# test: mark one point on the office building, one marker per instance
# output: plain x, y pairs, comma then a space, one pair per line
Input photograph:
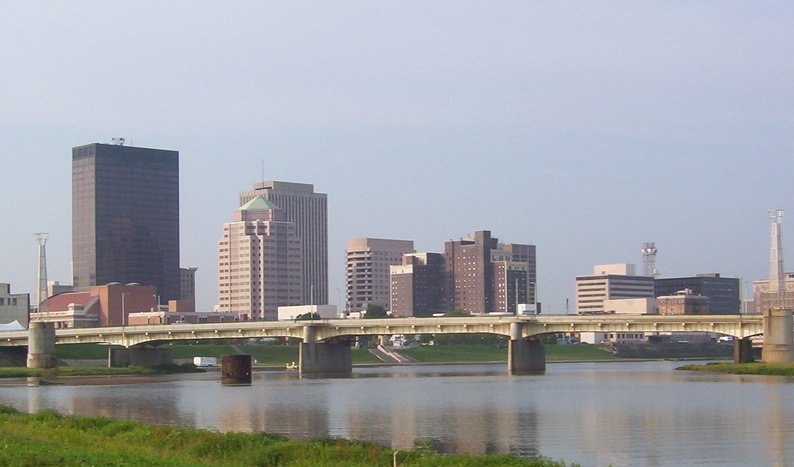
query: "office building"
485, 276
187, 284
368, 262
14, 307
259, 262
418, 285
309, 212
765, 300
610, 282
683, 302
723, 292
125, 217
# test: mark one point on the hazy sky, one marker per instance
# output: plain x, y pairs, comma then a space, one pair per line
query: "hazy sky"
586, 128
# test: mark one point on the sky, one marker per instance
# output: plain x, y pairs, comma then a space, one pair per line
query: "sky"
585, 128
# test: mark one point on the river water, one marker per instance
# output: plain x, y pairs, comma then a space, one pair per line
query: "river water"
595, 414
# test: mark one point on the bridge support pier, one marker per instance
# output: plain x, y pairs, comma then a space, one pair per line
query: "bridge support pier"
139, 356
743, 350
324, 358
41, 345
778, 337
524, 355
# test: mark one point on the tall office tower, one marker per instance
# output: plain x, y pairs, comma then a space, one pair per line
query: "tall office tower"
187, 284
723, 292
486, 276
259, 262
610, 282
418, 285
309, 211
368, 261
125, 217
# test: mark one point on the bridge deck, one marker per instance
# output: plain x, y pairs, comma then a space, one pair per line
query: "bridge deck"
739, 326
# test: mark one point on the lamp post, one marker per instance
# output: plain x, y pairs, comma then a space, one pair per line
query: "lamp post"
123, 318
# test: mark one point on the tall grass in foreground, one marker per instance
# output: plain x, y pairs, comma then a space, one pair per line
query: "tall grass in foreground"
48, 438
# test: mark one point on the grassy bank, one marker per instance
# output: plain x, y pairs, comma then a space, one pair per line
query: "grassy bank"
278, 355
492, 353
267, 355
47, 438
755, 368
21, 372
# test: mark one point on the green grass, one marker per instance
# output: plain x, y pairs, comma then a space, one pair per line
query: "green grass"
579, 352
492, 353
82, 351
456, 353
756, 368
267, 355
48, 438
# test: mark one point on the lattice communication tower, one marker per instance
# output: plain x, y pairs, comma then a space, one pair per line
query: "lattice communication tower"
649, 259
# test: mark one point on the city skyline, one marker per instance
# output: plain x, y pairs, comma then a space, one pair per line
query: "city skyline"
585, 130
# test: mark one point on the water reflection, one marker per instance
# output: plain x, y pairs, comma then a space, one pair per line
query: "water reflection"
593, 414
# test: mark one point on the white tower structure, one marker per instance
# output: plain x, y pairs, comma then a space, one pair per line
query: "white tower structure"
649, 259
41, 275
777, 284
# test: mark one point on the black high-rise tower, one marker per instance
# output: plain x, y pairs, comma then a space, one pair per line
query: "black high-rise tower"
125, 217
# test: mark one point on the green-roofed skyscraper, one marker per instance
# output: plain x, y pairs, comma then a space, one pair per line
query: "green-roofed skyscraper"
259, 262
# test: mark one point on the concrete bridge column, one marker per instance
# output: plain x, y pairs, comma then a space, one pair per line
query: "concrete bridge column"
41, 345
778, 337
743, 350
524, 355
324, 358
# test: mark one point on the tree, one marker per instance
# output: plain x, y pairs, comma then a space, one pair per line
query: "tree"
308, 316
456, 314
375, 312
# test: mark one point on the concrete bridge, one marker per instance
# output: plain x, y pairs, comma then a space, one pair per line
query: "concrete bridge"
326, 344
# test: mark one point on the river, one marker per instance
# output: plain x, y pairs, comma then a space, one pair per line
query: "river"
595, 414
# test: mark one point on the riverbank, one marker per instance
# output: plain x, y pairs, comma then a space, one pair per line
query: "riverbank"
21, 372
754, 368
48, 438
278, 355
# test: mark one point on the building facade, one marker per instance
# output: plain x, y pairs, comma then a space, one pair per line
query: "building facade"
259, 262
125, 217
14, 307
418, 285
102, 305
764, 300
609, 282
368, 263
485, 276
683, 302
309, 212
187, 284
723, 292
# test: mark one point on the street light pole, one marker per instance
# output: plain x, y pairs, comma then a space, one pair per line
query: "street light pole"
123, 294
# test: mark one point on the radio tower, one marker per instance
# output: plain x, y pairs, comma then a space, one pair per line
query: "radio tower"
777, 285
649, 259
41, 276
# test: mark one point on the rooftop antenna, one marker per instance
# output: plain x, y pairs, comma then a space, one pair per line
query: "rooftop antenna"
649, 259
41, 275
118, 141
777, 285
